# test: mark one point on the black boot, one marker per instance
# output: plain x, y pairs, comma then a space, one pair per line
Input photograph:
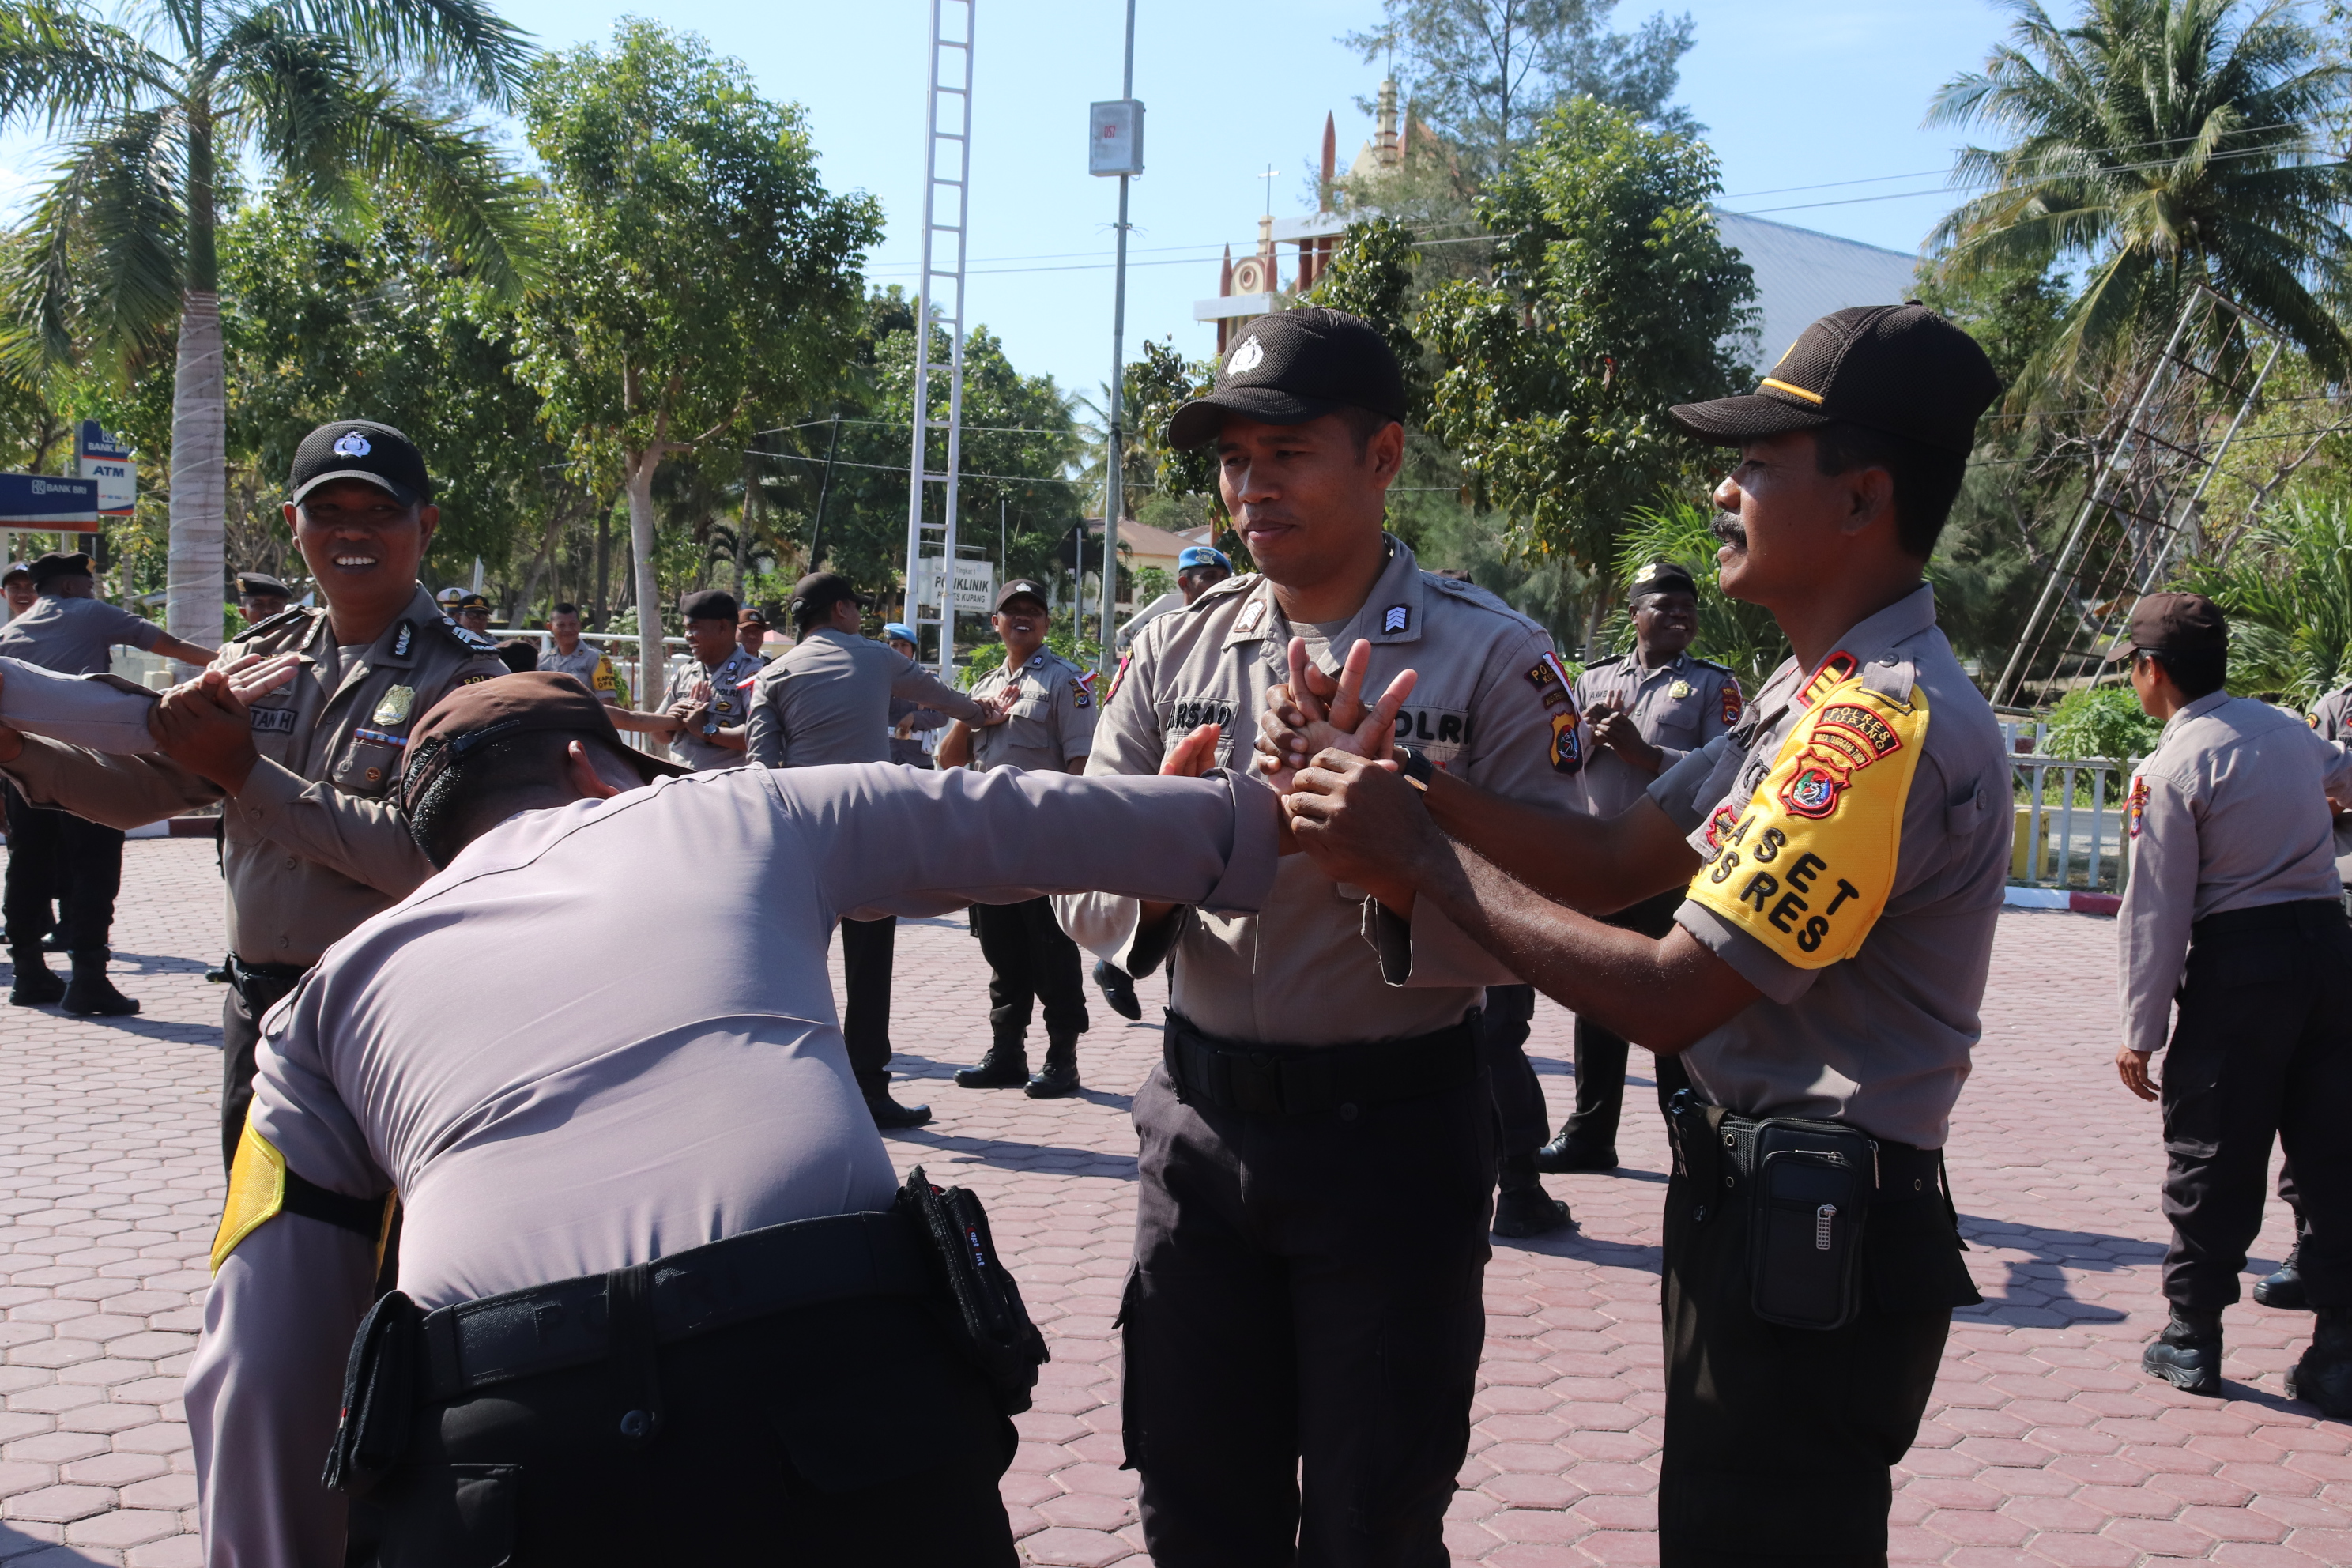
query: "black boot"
2324, 1376
1059, 1076
1522, 1207
90, 994
2284, 1290
2188, 1354
35, 986
1569, 1153
1006, 1066
889, 1113
1117, 987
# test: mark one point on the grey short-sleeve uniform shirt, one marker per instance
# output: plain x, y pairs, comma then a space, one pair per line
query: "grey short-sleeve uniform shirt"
74, 635
1323, 963
1052, 723
730, 705
1881, 1038
1677, 707
828, 698
579, 664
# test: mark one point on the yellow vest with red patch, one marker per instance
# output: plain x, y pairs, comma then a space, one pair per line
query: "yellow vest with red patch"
1809, 866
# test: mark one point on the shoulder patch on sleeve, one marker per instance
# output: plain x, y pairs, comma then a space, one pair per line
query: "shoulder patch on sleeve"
256, 1192
1734, 704
293, 614
471, 641
1809, 865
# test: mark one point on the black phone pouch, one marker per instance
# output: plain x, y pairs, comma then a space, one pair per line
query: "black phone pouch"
1810, 1185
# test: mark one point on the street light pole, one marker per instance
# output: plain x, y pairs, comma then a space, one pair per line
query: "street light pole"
1114, 497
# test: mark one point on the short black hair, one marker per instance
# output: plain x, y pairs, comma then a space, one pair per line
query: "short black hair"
564, 610
519, 654
1926, 479
2196, 671
477, 792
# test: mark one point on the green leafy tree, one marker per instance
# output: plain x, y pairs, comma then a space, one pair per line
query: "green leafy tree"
155, 116
2287, 590
1614, 297
1484, 73
2100, 722
700, 272
2158, 143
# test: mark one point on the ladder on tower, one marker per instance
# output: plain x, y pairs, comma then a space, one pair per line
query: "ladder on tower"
937, 461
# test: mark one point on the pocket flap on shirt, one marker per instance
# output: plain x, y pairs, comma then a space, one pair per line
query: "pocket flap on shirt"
1962, 820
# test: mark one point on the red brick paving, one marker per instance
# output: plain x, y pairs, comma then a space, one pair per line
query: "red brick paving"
2043, 1446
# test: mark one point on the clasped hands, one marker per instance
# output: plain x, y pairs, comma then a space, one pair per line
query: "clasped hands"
206, 724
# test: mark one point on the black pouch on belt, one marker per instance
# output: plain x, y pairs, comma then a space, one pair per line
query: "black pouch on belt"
1809, 1186
379, 1384
989, 1323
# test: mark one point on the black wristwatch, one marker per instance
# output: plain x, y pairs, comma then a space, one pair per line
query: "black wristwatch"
1417, 769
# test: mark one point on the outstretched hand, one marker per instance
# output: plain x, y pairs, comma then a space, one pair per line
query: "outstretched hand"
206, 724
1362, 823
1314, 712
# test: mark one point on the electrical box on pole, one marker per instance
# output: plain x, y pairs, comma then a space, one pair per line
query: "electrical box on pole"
1116, 138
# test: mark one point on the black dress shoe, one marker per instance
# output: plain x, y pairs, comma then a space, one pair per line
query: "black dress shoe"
2188, 1354
2284, 1290
889, 1113
1117, 988
1564, 1154
1528, 1210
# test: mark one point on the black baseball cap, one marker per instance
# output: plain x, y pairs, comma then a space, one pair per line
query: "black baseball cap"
1662, 577
708, 605
60, 564
1293, 366
365, 450
1022, 588
523, 701
820, 591
1901, 369
2174, 623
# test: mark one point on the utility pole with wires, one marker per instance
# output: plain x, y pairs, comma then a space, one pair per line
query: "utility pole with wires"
1115, 147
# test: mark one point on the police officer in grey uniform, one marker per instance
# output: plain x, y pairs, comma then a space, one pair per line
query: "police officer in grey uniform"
826, 699
711, 694
1642, 713
16, 588
785, 1385
2233, 912
54, 854
1846, 849
1303, 1322
312, 846
1048, 705
261, 595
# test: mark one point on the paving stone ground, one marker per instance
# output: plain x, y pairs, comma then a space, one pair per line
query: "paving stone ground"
2043, 1444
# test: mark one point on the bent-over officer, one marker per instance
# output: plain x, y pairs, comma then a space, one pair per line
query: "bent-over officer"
707, 694
1303, 1322
1643, 712
2233, 912
654, 1303
1846, 849
56, 853
828, 700
312, 845
1049, 710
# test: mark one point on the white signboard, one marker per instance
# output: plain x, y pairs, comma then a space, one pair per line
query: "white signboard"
106, 459
975, 584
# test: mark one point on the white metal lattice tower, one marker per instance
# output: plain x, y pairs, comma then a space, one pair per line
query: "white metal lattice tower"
939, 303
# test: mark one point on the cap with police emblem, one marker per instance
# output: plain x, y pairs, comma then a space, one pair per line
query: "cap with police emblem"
1293, 366
16, 569
364, 450
1900, 370
1193, 555
900, 631
474, 602
1660, 577
1020, 588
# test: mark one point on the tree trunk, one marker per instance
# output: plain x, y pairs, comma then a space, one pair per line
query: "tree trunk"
197, 564
653, 675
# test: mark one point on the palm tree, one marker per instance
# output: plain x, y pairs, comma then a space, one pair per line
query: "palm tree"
120, 249
2161, 143
2287, 590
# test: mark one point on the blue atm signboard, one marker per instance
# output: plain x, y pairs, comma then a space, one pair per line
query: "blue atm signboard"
44, 501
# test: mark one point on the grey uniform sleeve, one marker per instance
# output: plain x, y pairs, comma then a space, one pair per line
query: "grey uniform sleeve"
894, 840
764, 732
1511, 755
265, 1387
125, 628
1075, 715
2160, 901
99, 712
916, 684
114, 791
1127, 739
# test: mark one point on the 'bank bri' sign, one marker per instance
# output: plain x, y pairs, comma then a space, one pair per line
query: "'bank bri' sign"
42, 501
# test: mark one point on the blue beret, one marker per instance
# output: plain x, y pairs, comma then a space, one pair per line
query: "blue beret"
900, 630
1202, 555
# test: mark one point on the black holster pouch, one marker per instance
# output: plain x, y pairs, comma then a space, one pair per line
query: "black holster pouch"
1810, 1185
988, 1322
379, 1384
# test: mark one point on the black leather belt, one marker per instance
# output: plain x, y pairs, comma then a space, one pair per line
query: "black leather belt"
263, 985
1898, 1171
2296, 914
547, 1328
1311, 1080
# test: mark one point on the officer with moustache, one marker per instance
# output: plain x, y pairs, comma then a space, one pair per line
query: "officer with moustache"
1304, 1319
312, 846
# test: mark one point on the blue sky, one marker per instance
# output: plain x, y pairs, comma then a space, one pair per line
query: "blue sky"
1794, 92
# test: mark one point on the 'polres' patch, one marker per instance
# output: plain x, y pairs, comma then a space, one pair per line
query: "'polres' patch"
1809, 865
2135, 806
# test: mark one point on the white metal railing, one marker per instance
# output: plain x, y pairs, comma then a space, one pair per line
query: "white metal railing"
2071, 829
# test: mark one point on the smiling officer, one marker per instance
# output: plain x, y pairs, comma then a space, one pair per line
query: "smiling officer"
312, 844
